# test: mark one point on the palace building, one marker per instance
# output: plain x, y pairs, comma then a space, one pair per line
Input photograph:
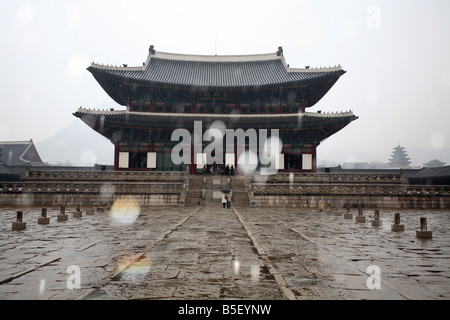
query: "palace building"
172, 91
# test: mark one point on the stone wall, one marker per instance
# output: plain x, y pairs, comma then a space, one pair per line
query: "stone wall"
345, 190
59, 188
353, 201
69, 188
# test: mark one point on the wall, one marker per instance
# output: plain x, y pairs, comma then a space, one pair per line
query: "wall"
58, 188
346, 190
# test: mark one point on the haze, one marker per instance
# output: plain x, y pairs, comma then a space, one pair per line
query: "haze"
396, 54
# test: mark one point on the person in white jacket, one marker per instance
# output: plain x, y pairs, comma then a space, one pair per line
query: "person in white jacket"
224, 200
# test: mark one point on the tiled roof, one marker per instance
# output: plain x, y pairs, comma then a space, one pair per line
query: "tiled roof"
103, 121
216, 71
15, 153
443, 171
434, 163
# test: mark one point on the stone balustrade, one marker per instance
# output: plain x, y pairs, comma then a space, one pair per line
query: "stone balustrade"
332, 178
373, 190
366, 188
70, 175
47, 187
31, 187
378, 190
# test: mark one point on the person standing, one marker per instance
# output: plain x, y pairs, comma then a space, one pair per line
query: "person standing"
229, 201
224, 200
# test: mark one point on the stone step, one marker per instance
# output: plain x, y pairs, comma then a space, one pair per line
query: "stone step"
240, 198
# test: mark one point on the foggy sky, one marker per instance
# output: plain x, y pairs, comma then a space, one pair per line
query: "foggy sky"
396, 54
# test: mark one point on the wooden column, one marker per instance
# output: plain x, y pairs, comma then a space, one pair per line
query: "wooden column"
314, 158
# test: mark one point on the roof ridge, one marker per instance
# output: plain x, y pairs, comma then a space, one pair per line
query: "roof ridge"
17, 142
216, 58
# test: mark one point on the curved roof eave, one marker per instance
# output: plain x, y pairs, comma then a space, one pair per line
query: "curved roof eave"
294, 83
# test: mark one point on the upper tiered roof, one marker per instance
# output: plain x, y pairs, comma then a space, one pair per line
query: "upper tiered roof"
232, 72
216, 71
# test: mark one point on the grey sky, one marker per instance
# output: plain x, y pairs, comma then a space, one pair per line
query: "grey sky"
396, 54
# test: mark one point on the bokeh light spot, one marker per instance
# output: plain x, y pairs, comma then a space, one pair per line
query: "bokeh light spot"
125, 210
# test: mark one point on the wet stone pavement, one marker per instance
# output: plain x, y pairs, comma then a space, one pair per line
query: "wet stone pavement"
209, 252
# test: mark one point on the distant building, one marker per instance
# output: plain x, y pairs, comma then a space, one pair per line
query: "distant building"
434, 163
19, 153
431, 176
356, 165
399, 158
15, 156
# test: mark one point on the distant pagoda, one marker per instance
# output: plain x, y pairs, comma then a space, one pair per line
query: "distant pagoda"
399, 158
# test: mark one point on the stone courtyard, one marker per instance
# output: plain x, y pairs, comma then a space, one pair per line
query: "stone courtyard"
211, 253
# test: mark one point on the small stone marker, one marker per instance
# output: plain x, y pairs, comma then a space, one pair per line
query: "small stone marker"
19, 224
43, 219
77, 214
90, 212
360, 217
348, 215
423, 232
63, 216
376, 222
397, 226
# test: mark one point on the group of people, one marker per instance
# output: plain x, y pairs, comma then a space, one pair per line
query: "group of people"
214, 168
226, 200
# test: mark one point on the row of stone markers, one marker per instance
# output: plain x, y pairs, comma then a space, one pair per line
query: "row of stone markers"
19, 224
376, 222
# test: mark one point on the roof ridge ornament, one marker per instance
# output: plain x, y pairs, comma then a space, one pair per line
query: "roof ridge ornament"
280, 51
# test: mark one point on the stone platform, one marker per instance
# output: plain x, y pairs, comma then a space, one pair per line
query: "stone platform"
311, 190
206, 252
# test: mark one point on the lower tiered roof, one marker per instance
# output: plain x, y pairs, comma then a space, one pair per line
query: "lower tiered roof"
105, 122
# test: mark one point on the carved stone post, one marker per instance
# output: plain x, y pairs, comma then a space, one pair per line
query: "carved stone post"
397, 226
376, 222
19, 224
347, 214
62, 216
43, 219
360, 217
423, 232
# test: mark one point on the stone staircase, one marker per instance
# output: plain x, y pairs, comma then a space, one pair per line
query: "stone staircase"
194, 195
207, 190
240, 194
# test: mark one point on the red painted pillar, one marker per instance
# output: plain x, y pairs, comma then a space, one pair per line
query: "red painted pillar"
314, 158
116, 157
192, 166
